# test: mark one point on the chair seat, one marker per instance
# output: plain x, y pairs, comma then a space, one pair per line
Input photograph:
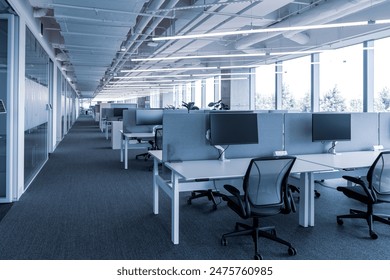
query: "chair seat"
359, 194
234, 204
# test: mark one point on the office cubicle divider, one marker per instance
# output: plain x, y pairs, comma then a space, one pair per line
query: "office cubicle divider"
270, 129
129, 123
297, 127
297, 135
185, 137
364, 133
384, 128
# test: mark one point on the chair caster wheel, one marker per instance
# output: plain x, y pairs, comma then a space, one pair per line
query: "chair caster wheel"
258, 257
317, 194
292, 251
373, 235
223, 241
215, 207
340, 221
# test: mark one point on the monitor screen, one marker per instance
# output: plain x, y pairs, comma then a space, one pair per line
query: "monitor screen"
233, 129
118, 112
331, 127
149, 116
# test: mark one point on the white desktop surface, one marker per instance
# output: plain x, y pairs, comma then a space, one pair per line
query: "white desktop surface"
125, 143
343, 160
190, 175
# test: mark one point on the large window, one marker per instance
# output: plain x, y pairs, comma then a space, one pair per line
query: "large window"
341, 79
381, 76
198, 93
265, 87
296, 84
209, 83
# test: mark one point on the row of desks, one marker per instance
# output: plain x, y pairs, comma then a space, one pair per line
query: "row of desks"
196, 175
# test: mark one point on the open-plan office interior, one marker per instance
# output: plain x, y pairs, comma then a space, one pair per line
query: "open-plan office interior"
122, 122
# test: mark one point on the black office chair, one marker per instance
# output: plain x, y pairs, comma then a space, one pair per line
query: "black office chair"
158, 138
155, 144
374, 190
266, 193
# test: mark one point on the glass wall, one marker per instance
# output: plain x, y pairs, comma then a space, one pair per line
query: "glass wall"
209, 83
296, 84
341, 79
381, 76
3, 97
198, 93
36, 113
265, 87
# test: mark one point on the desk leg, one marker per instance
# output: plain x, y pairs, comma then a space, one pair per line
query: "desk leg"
155, 186
175, 208
125, 151
122, 144
306, 199
107, 131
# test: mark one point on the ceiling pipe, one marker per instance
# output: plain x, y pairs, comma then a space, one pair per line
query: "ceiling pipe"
326, 12
129, 44
40, 12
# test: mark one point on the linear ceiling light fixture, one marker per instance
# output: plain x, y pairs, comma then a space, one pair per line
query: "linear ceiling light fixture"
273, 29
169, 69
199, 56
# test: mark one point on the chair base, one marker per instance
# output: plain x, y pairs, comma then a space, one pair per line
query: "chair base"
145, 156
256, 231
368, 216
293, 188
210, 194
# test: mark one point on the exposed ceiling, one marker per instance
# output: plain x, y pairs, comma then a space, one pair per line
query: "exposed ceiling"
97, 39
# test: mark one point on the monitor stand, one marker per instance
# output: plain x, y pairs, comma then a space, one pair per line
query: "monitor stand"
222, 152
332, 149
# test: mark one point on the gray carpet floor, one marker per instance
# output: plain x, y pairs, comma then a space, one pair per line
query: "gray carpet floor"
84, 205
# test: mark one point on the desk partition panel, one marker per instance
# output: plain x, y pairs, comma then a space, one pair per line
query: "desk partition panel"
297, 135
364, 133
384, 129
129, 122
270, 129
184, 137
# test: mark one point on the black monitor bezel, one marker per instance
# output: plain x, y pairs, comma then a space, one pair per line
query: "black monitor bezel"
140, 121
254, 126
339, 117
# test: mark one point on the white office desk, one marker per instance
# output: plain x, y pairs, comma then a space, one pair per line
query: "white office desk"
344, 160
193, 175
126, 137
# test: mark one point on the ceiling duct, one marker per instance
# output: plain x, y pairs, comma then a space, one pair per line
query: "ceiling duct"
328, 11
40, 12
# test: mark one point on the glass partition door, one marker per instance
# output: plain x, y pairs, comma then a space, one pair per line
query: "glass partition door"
5, 87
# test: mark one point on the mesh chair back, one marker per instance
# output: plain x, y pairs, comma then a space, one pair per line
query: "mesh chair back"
379, 174
158, 138
265, 181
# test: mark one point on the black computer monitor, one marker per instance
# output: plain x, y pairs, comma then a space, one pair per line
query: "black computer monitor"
233, 129
331, 127
118, 112
149, 117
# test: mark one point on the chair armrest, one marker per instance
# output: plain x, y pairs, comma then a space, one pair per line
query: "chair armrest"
354, 180
233, 190
361, 183
238, 198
